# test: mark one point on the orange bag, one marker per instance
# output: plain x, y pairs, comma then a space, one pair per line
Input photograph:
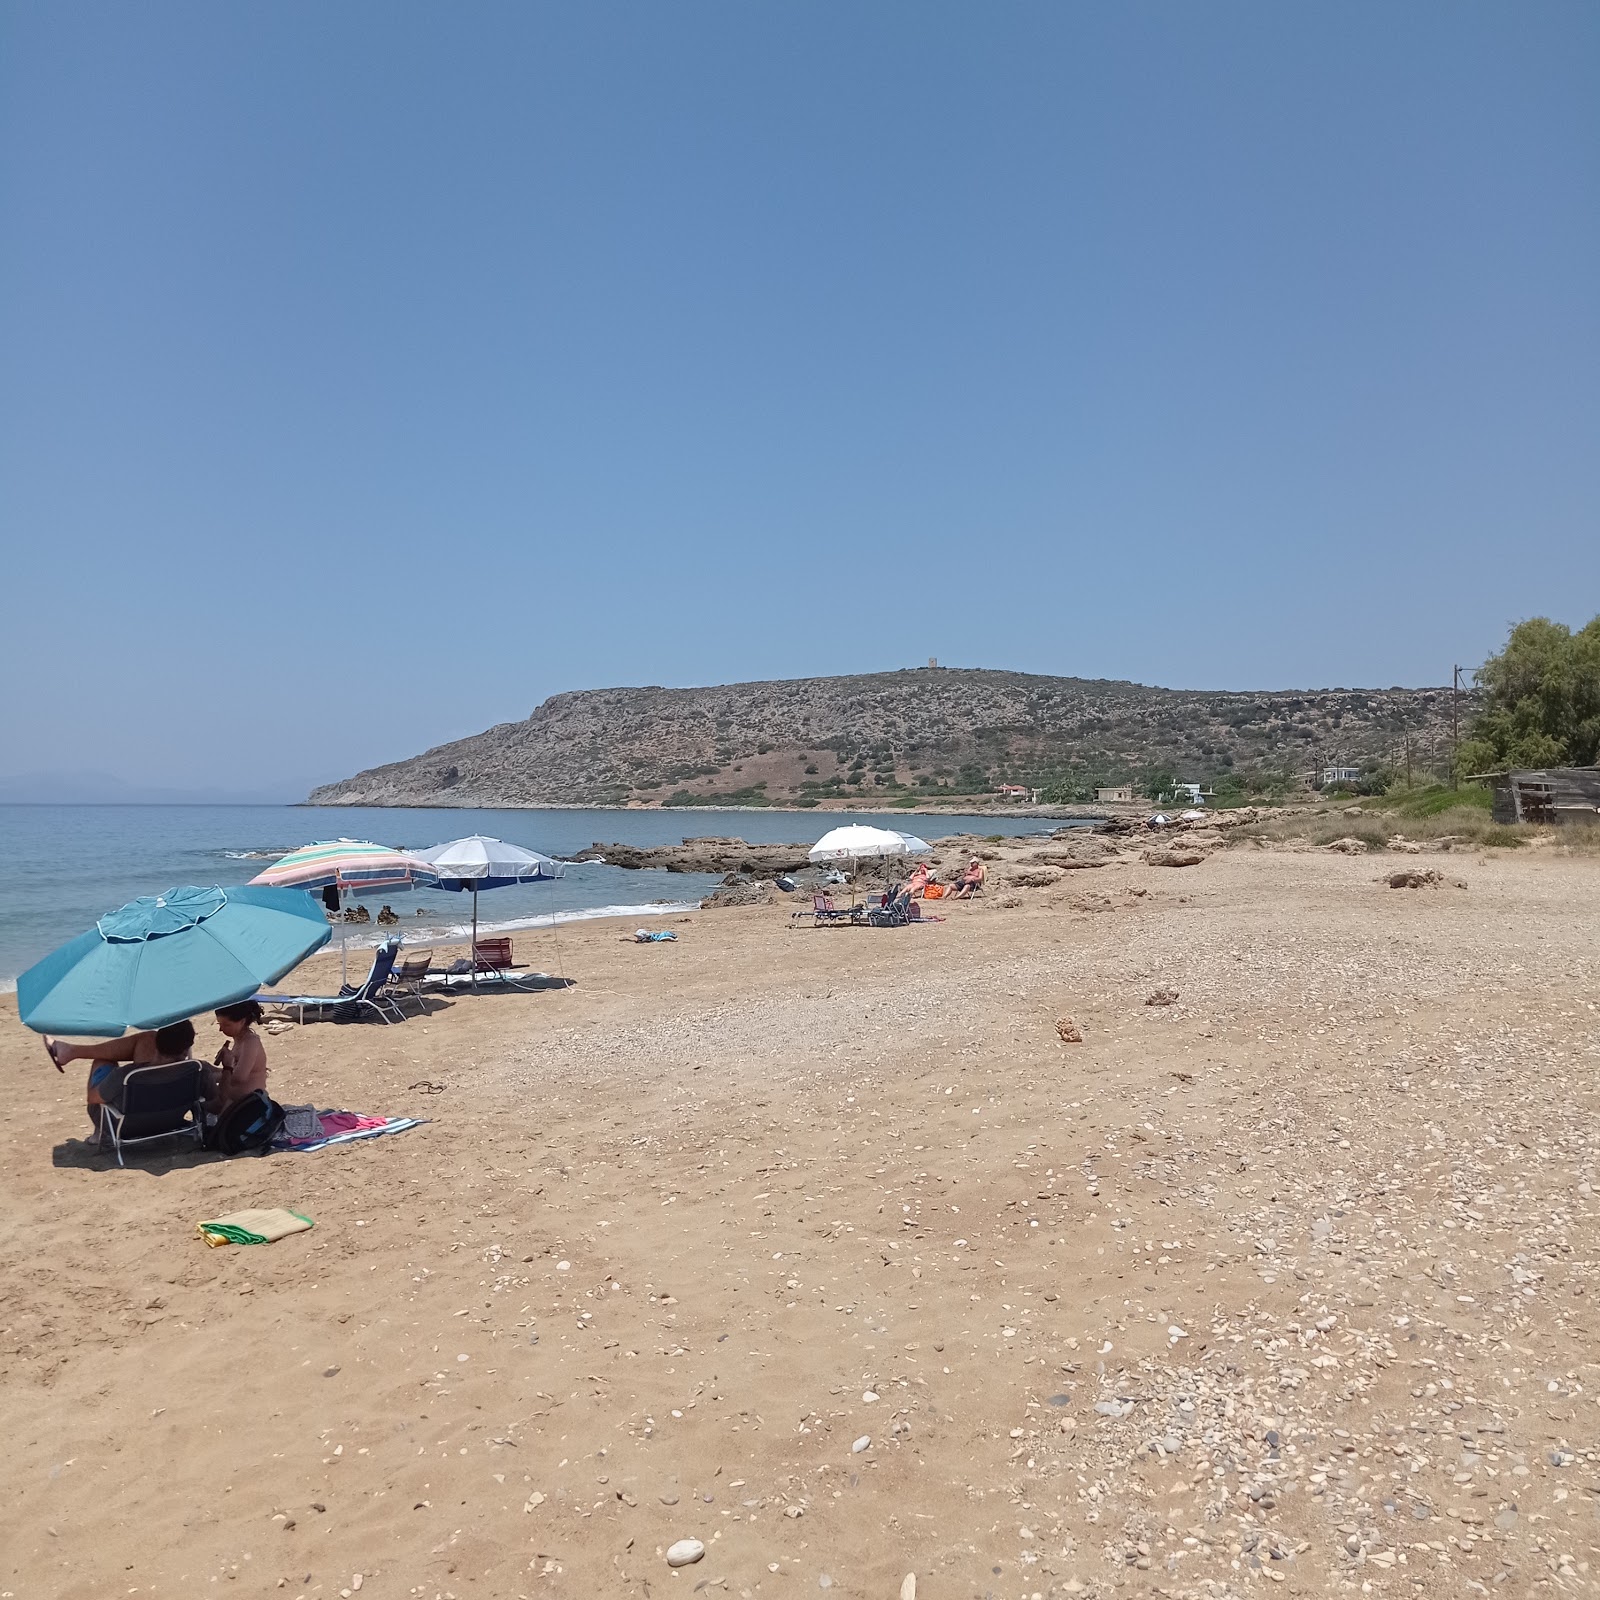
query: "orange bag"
934, 891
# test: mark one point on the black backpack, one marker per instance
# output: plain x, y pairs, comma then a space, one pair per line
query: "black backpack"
249, 1124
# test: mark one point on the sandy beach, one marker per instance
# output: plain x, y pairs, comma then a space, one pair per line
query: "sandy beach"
824, 1249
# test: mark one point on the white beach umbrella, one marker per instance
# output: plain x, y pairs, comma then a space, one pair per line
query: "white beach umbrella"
857, 842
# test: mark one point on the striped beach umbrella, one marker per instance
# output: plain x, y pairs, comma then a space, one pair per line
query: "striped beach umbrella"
351, 866
348, 866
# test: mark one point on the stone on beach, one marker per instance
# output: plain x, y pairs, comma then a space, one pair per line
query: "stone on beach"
1415, 878
1174, 856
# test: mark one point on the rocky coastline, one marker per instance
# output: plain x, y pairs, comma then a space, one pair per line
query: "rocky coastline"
765, 874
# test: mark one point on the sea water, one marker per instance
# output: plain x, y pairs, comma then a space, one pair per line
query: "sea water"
63, 867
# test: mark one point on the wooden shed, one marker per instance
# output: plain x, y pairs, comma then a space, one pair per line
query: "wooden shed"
1551, 794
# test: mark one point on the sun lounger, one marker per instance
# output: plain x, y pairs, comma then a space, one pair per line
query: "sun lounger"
520, 978
158, 1102
350, 1002
490, 964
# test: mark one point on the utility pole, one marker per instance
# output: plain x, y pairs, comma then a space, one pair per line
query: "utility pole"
1455, 719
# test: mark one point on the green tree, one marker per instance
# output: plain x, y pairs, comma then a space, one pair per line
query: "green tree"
1541, 703
1156, 782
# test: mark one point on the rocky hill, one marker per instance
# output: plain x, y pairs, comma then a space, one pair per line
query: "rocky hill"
933, 733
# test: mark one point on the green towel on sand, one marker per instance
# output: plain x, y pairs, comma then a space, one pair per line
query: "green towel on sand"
253, 1227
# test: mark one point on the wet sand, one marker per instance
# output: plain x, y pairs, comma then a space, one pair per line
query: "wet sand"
1286, 1285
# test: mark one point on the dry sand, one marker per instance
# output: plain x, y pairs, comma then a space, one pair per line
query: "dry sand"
1291, 1282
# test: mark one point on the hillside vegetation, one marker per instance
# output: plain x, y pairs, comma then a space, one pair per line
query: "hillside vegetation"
913, 737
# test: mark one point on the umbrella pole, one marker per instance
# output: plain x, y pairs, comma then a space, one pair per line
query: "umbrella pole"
474, 940
344, 957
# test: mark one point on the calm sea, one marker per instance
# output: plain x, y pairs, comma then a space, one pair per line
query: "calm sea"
66, 866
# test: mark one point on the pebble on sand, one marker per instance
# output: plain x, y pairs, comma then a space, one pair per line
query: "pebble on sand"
861, 1444
685, 1552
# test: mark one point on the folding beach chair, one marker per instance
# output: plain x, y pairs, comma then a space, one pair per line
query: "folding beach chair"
351, 1001
825, 913
406, 979
492, 960
158, 1102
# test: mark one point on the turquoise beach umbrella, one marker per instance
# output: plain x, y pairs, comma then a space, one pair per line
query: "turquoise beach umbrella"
162, 957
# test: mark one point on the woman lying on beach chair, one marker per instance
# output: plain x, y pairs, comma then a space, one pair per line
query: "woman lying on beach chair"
911, 889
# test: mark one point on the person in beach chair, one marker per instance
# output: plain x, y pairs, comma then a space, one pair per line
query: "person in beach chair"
911, 889
114, 1059
970, 882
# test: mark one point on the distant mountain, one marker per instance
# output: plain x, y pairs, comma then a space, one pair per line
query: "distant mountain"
927, 731
103, 788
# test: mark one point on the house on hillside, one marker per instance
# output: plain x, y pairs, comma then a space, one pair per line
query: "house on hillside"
1336, 775
1117, 794
1193, 793
1547, 794
1014, 791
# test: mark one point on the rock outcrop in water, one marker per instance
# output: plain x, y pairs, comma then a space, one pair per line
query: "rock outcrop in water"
928, 733
704, 855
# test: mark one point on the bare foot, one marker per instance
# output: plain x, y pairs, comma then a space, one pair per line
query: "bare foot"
60, 1053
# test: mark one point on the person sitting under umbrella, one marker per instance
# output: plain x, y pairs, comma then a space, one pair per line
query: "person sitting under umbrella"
114, 1058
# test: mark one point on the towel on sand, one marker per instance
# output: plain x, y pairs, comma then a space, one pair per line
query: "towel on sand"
253, 1227
340, 1127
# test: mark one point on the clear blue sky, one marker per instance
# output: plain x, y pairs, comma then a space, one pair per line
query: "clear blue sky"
371, 371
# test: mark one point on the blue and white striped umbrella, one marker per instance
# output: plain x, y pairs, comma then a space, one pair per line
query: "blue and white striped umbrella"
479, 862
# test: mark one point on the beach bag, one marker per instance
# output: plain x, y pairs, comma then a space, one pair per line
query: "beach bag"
301, 1124
934, 891
250, 1124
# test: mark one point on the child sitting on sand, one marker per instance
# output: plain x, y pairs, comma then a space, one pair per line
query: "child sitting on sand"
241, 1064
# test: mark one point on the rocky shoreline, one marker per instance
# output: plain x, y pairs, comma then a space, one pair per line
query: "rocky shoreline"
751, 872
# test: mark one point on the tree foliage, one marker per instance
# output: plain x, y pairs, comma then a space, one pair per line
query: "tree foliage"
1542, 701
